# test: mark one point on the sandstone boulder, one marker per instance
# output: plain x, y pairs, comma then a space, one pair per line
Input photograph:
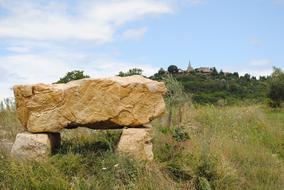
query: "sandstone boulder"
137, 142
35, 146
95, 103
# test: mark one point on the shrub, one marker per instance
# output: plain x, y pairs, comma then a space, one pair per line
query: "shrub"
180, 134
131, 72
72, 75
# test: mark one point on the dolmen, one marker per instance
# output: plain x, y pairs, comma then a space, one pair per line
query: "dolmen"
128, 103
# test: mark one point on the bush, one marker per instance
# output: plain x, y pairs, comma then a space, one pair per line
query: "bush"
73, 75
180, 135
131, 72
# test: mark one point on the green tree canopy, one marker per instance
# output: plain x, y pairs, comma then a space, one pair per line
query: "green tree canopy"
130, 72
276, 87
173, 69
72, 75
214, 71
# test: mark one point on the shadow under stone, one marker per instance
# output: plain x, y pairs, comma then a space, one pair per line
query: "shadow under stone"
84, 148
97, 144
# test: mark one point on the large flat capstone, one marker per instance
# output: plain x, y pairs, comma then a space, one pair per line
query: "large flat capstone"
95, 103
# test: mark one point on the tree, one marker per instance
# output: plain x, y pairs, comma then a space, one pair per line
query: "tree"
73, 75
262, 78
214, 71
276, 88
159, 74
236, 74
161, 71
173, 69
247, 77
130, 72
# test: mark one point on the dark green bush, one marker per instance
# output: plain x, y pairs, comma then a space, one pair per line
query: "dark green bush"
180, 134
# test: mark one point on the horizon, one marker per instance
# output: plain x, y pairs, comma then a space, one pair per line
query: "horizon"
43, 40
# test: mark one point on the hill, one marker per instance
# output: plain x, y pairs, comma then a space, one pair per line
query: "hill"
208, 86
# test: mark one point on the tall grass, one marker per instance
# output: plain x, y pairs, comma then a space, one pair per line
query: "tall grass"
85, 161
9, 124
195, 147
228, 148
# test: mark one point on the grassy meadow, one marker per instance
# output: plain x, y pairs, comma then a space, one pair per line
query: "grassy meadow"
195, 147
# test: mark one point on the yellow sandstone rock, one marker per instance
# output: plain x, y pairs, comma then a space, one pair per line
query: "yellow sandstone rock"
95, 103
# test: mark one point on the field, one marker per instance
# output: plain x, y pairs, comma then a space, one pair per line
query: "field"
195, 147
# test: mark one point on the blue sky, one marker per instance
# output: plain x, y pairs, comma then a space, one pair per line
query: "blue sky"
41, 40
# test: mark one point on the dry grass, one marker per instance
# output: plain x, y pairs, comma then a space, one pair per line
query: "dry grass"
229, 148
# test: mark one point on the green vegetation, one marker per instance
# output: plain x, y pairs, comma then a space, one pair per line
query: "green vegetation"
198, 147
9, 124
276, 88
73, 75
130, 72
172, 69
219, 88
208, 86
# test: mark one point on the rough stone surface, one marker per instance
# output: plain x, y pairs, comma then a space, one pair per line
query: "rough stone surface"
95, 103
35, 146
137, 142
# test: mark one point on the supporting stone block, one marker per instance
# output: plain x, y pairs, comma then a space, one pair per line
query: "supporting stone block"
35, 146
137, 142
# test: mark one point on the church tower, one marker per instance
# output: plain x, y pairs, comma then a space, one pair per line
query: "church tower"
189, 68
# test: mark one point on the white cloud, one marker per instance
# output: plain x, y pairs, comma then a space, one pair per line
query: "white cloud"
257, 71
254, 67
92, 20
31, 68
108, 67
135, 33
18, 49
261, 62
50, 66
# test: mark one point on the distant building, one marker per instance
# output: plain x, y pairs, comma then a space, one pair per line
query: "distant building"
204, 70
189, 68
